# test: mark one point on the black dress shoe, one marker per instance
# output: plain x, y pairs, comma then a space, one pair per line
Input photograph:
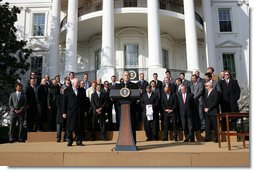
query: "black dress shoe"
165, 139
186, 140
22, 141
80, 144
206, 140
69, 144
175, 139
11, 141
215, 141
149, 139
192, 140
58, 140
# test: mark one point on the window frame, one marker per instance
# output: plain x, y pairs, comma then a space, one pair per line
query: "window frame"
32, 24
165, 59
36, 68
125, 56
97, 63
233, 73
231, 19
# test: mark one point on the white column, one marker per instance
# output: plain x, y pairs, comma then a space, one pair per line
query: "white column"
209, 35
107, 49
53, 55
154, 41
191, 36
71, 37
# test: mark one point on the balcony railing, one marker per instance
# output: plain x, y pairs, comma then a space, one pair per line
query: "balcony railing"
126, 4
94, 6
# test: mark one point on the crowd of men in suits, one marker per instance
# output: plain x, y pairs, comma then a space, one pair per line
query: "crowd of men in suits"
79, 106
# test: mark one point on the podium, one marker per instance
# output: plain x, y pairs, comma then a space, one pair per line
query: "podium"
125, 140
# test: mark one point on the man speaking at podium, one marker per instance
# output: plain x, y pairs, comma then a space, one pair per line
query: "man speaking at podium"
130, 85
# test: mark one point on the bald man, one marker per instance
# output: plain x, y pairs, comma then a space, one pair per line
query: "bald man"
76, 104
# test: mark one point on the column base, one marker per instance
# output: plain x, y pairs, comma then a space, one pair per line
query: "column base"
159, 70
105, 73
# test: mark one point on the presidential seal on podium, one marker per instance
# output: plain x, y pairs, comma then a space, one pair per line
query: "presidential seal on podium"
125, 92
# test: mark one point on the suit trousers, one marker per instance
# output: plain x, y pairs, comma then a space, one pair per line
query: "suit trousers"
59, 128
79, 136
187, 125
150, 128
167, 117
13, 119
101, 119
210, 121
198, 117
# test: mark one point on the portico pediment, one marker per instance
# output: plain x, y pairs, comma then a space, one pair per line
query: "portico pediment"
130, 31
37, 47
228, 43
168, 38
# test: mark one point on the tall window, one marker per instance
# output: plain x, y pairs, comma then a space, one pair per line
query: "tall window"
165, 58
225, 20
229, 63
36, 65
38, 24
130, 3
97, 55
163, 5
131, 55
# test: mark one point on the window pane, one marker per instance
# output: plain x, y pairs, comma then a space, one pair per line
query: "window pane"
165, 58
97, 55
131, 55
36, 65
38, 24
130, 3
229, 63
225, 20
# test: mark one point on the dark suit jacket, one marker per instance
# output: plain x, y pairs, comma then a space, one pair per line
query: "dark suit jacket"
211, 102
171, 86
41, 95
171, 103
107, 97
30, 96
230, 95
98, 102
153, 100
129, 85
75, 108
59, 104
111, 86
188, 106
186, 83
53, 92
16, 104
159, 84
142, 86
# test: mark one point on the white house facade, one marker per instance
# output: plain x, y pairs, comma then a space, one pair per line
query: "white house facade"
106, 37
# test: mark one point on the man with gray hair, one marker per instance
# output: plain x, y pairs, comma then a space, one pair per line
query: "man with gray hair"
74, 107
211, 106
